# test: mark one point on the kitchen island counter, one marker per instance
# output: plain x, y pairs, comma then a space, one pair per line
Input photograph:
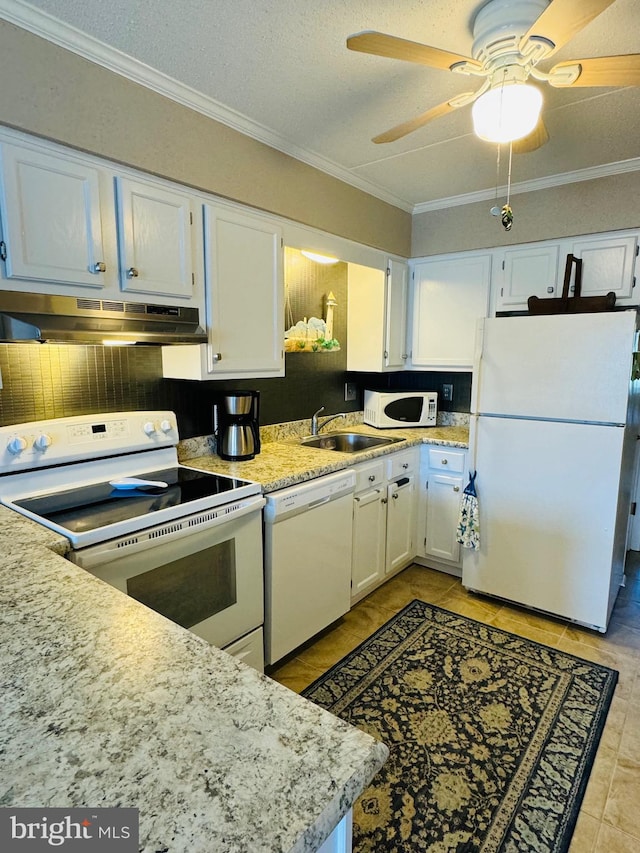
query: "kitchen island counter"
106, 703
285, 462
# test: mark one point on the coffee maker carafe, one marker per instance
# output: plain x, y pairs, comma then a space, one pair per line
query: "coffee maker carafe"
235, 425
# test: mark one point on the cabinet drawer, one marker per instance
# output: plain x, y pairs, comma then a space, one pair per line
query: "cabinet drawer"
369, 474
402, 462
449, 460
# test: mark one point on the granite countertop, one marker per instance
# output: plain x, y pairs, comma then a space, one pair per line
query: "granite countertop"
283, 461
106, 703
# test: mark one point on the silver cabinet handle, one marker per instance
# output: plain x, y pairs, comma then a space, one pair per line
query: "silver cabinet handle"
372, 478
132, 272
99, 266
405, 465
395, 496
550, 289
217, 356
405, 355
444, 461
456, 488
384, 501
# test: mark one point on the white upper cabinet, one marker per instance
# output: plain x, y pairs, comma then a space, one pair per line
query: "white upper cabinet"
537, 269
51, 218
73, 225
395, 352
377, 317
608, 265
155, 239
524, 271
244, 281
450, 294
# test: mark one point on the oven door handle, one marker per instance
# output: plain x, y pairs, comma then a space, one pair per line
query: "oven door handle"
207, 519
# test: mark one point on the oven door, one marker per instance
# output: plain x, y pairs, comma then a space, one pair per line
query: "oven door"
203, 572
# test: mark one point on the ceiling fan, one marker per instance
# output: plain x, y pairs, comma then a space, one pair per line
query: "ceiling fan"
510, 38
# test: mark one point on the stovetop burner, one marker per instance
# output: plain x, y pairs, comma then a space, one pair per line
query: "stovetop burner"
91, 507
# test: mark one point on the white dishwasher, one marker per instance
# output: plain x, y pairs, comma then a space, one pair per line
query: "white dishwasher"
308, 543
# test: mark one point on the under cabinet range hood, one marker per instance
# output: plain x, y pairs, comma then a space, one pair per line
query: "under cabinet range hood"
43, 318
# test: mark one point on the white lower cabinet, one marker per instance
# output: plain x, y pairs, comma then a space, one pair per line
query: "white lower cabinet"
369, 528
443, 472
383, 520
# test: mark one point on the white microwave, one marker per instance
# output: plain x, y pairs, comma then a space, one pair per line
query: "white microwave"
386, 409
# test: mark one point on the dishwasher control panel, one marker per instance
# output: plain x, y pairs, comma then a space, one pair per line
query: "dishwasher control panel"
305, 496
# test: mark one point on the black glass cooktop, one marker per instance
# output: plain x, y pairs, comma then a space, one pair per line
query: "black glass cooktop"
84, 508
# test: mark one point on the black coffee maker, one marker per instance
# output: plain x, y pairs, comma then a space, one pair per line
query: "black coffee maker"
235, 425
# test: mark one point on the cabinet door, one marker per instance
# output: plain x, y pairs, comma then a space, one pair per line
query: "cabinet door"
367, 317
369, 523
155, 234
449, 296
608, 264
528, 271
245, 287
51, 218
444, 494
400, 519
395, 352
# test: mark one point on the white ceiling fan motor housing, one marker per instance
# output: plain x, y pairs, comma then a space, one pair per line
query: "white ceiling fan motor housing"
498, 29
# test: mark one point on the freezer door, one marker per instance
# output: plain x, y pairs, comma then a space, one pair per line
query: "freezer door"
551, 535
564, 367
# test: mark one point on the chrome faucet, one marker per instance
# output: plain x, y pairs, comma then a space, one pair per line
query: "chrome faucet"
316, 427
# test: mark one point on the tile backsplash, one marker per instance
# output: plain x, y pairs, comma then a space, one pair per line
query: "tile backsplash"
41, 381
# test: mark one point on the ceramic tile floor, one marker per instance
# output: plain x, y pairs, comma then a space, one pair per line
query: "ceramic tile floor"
609, 820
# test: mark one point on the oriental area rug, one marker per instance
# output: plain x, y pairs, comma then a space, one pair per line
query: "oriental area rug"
491, 736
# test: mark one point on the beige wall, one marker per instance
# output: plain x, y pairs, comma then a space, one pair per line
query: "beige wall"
54, 93
605, 204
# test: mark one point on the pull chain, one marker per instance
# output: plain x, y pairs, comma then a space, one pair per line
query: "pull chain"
495, 210
507, 212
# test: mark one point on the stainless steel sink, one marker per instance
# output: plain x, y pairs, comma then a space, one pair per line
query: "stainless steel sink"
347, 442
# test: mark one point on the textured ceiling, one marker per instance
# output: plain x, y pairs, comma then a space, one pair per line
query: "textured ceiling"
281, 70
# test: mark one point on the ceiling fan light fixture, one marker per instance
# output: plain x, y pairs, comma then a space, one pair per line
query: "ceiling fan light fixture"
507, 112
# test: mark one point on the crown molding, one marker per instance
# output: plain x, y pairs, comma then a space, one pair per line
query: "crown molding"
589, 174
42, 24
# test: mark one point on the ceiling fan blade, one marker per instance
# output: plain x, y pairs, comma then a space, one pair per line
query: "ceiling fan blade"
380, 44
562, 19
602, 71
408, 127
538, 136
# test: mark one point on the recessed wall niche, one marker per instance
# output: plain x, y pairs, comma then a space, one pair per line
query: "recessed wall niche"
307, 286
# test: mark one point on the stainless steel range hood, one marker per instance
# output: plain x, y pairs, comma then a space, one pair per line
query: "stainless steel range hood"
43, 318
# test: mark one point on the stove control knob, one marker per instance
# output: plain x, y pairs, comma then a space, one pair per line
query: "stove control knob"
17, 445
166, 426
42, 441
149, 428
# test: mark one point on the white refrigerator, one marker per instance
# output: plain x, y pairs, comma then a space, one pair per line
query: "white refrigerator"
554, 426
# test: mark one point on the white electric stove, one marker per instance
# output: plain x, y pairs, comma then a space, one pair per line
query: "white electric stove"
191, 549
